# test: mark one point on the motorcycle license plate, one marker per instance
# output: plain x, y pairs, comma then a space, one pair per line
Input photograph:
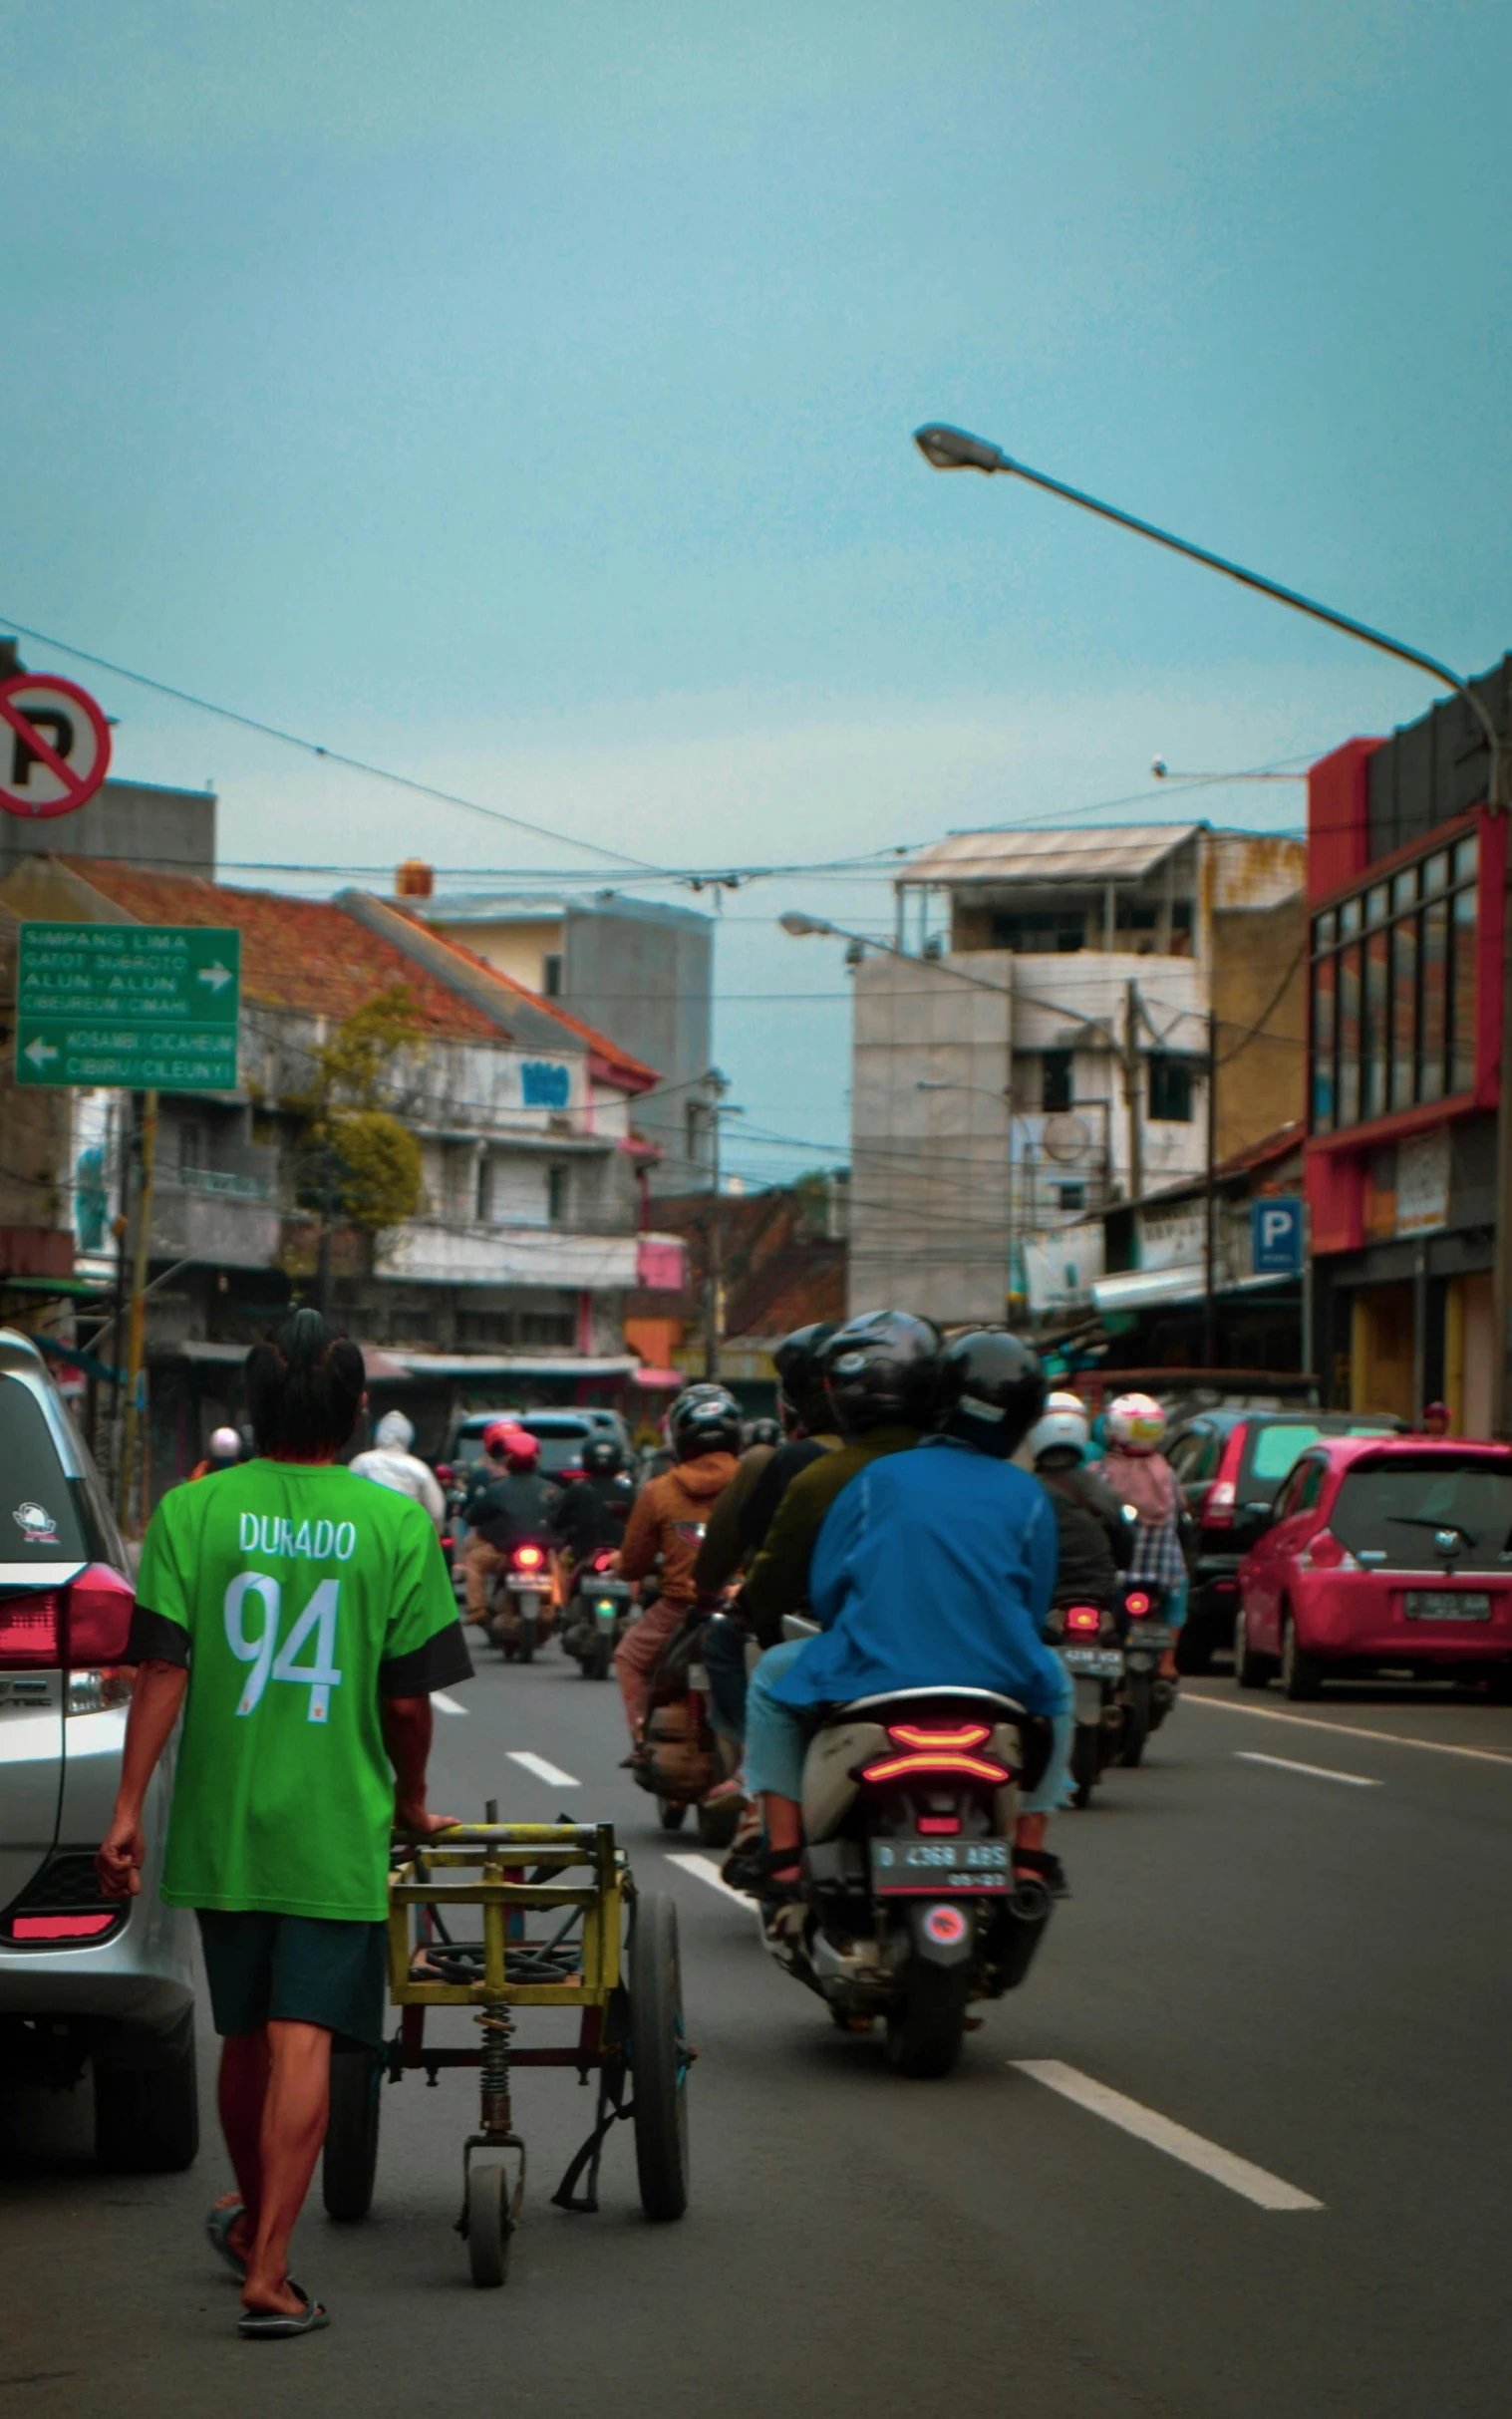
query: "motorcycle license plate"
1093, 1662
1155, 1634
923, 1867
1447, 1604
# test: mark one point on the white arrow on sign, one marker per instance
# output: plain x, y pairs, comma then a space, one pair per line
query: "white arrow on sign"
39, 1052
216, 975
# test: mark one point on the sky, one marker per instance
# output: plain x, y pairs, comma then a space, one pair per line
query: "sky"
521, 398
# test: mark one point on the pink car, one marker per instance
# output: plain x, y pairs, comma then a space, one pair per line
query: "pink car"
1381, 1555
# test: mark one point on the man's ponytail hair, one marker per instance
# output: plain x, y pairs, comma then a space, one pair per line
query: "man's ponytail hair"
304, 1389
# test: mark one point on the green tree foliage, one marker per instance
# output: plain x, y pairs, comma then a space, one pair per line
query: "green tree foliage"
355, 1160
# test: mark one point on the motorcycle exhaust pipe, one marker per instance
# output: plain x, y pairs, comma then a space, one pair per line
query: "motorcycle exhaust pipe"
1023, 1920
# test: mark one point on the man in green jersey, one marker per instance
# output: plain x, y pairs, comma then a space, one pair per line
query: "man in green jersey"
300, 1617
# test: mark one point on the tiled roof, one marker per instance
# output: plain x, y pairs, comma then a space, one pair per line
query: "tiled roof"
295, 953
616, 1063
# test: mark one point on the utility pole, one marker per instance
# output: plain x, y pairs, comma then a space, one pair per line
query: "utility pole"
714, 1272
136, 1332
1131, 1099
1209, 1275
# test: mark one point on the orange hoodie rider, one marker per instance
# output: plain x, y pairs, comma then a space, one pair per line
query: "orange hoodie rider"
668, 1520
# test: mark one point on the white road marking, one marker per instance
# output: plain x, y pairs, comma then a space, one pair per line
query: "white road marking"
1319, 1772
1252, 2182
544, 1771
1305, 1721
704, 1869
445, 1703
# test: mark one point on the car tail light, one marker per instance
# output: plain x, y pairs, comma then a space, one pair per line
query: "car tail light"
31, 1630
1136, 1603
1085, 1617
97, 1691
100, 1607
1325, 1553
529, 1558
59, 1927
1222, 1496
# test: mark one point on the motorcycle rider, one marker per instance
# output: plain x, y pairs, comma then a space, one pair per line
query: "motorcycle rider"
593, 1511
1095, 1540
508, 1504
1137, 1470
879, 1373
935, 1567
391, 1463
703, 1425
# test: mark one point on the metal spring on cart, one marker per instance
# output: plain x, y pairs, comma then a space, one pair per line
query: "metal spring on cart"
498, 2032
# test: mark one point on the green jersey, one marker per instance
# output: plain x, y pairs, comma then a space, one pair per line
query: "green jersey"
299, 1596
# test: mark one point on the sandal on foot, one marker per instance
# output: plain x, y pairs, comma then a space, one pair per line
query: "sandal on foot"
217, 2228
272, 2326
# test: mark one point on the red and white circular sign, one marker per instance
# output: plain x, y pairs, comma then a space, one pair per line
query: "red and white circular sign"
55, 744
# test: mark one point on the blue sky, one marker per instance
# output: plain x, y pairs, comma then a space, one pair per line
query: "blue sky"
521, 398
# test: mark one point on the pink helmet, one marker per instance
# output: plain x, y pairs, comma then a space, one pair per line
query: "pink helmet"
1135, 1423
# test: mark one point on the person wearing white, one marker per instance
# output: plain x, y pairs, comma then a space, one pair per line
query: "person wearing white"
390, 1462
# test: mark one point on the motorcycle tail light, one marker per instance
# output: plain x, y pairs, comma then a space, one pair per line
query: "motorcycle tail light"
920, 1734
602, 1562
1084, 1616
529, 1558
1136, 1603
938, 1826
927, 1763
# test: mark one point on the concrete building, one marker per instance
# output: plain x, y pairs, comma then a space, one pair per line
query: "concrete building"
1407, 878
624, 965
1035, 1046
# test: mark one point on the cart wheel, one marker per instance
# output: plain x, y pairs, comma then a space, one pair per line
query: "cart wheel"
488, 2228
658, 2057
350, 2161
670, 1813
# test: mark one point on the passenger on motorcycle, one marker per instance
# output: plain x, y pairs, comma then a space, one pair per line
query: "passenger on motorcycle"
879, 1373
1096, 1541
593, 1511
508, 1504
390, 1462
1138, 1473
934, 1568
668, 1523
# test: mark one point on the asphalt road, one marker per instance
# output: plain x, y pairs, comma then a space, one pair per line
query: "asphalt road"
1311, 1976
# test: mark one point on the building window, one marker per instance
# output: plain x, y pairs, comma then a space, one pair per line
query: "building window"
482, 1207
1170, 1089
1032, 931
1394, 991
551, 975
556, 1195
1055, 1082
548, 1327
1071, 1196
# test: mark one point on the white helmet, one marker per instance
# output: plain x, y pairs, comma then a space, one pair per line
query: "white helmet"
1136, 1424
1064, 1401
1060, 1426
226, 1445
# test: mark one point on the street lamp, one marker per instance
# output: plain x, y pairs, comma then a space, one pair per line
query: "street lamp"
947, 449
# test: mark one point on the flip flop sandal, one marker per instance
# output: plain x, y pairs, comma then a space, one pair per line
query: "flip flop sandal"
218, 2227
272, 2326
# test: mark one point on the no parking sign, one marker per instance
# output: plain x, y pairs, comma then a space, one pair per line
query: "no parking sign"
55, 744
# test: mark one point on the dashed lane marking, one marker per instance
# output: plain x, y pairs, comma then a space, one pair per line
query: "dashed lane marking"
704, 1869
1317, 1772
1177, 2141
1305, 1721
551, 1773
445, 1703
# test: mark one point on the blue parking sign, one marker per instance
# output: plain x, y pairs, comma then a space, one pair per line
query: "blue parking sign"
1276, 1234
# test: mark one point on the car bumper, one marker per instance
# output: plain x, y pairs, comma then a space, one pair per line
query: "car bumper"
1339, 1618
141, 1976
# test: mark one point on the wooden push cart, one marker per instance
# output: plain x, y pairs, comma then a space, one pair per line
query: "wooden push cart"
613, 1955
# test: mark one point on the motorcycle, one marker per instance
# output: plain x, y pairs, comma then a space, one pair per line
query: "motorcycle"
522, 1601
1086, 1637
911, 1908
679, 1760
596, 1615
1148, 1694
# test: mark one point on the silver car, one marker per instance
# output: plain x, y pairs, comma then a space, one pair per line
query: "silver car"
84, 1980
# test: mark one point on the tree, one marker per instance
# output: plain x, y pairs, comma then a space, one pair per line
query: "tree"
354, 1160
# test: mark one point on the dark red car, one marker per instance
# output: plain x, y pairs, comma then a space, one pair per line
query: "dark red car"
1392, 1555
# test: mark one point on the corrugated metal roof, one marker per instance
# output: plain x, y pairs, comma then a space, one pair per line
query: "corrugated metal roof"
1125, 852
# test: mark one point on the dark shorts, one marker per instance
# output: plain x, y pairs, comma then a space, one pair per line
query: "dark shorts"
295, 1968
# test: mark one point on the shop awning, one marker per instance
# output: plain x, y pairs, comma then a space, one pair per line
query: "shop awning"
1141, 1289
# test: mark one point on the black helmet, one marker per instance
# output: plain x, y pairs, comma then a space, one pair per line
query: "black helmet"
602, 1457
799, 1361
704, 1420
989, 1391
880, 1368
764, 1432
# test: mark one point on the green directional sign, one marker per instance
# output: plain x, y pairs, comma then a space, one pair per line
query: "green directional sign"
148, 1006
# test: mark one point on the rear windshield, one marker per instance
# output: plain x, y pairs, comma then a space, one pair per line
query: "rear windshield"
562, 1437
1399, 1506
40, 1513
561, 1452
